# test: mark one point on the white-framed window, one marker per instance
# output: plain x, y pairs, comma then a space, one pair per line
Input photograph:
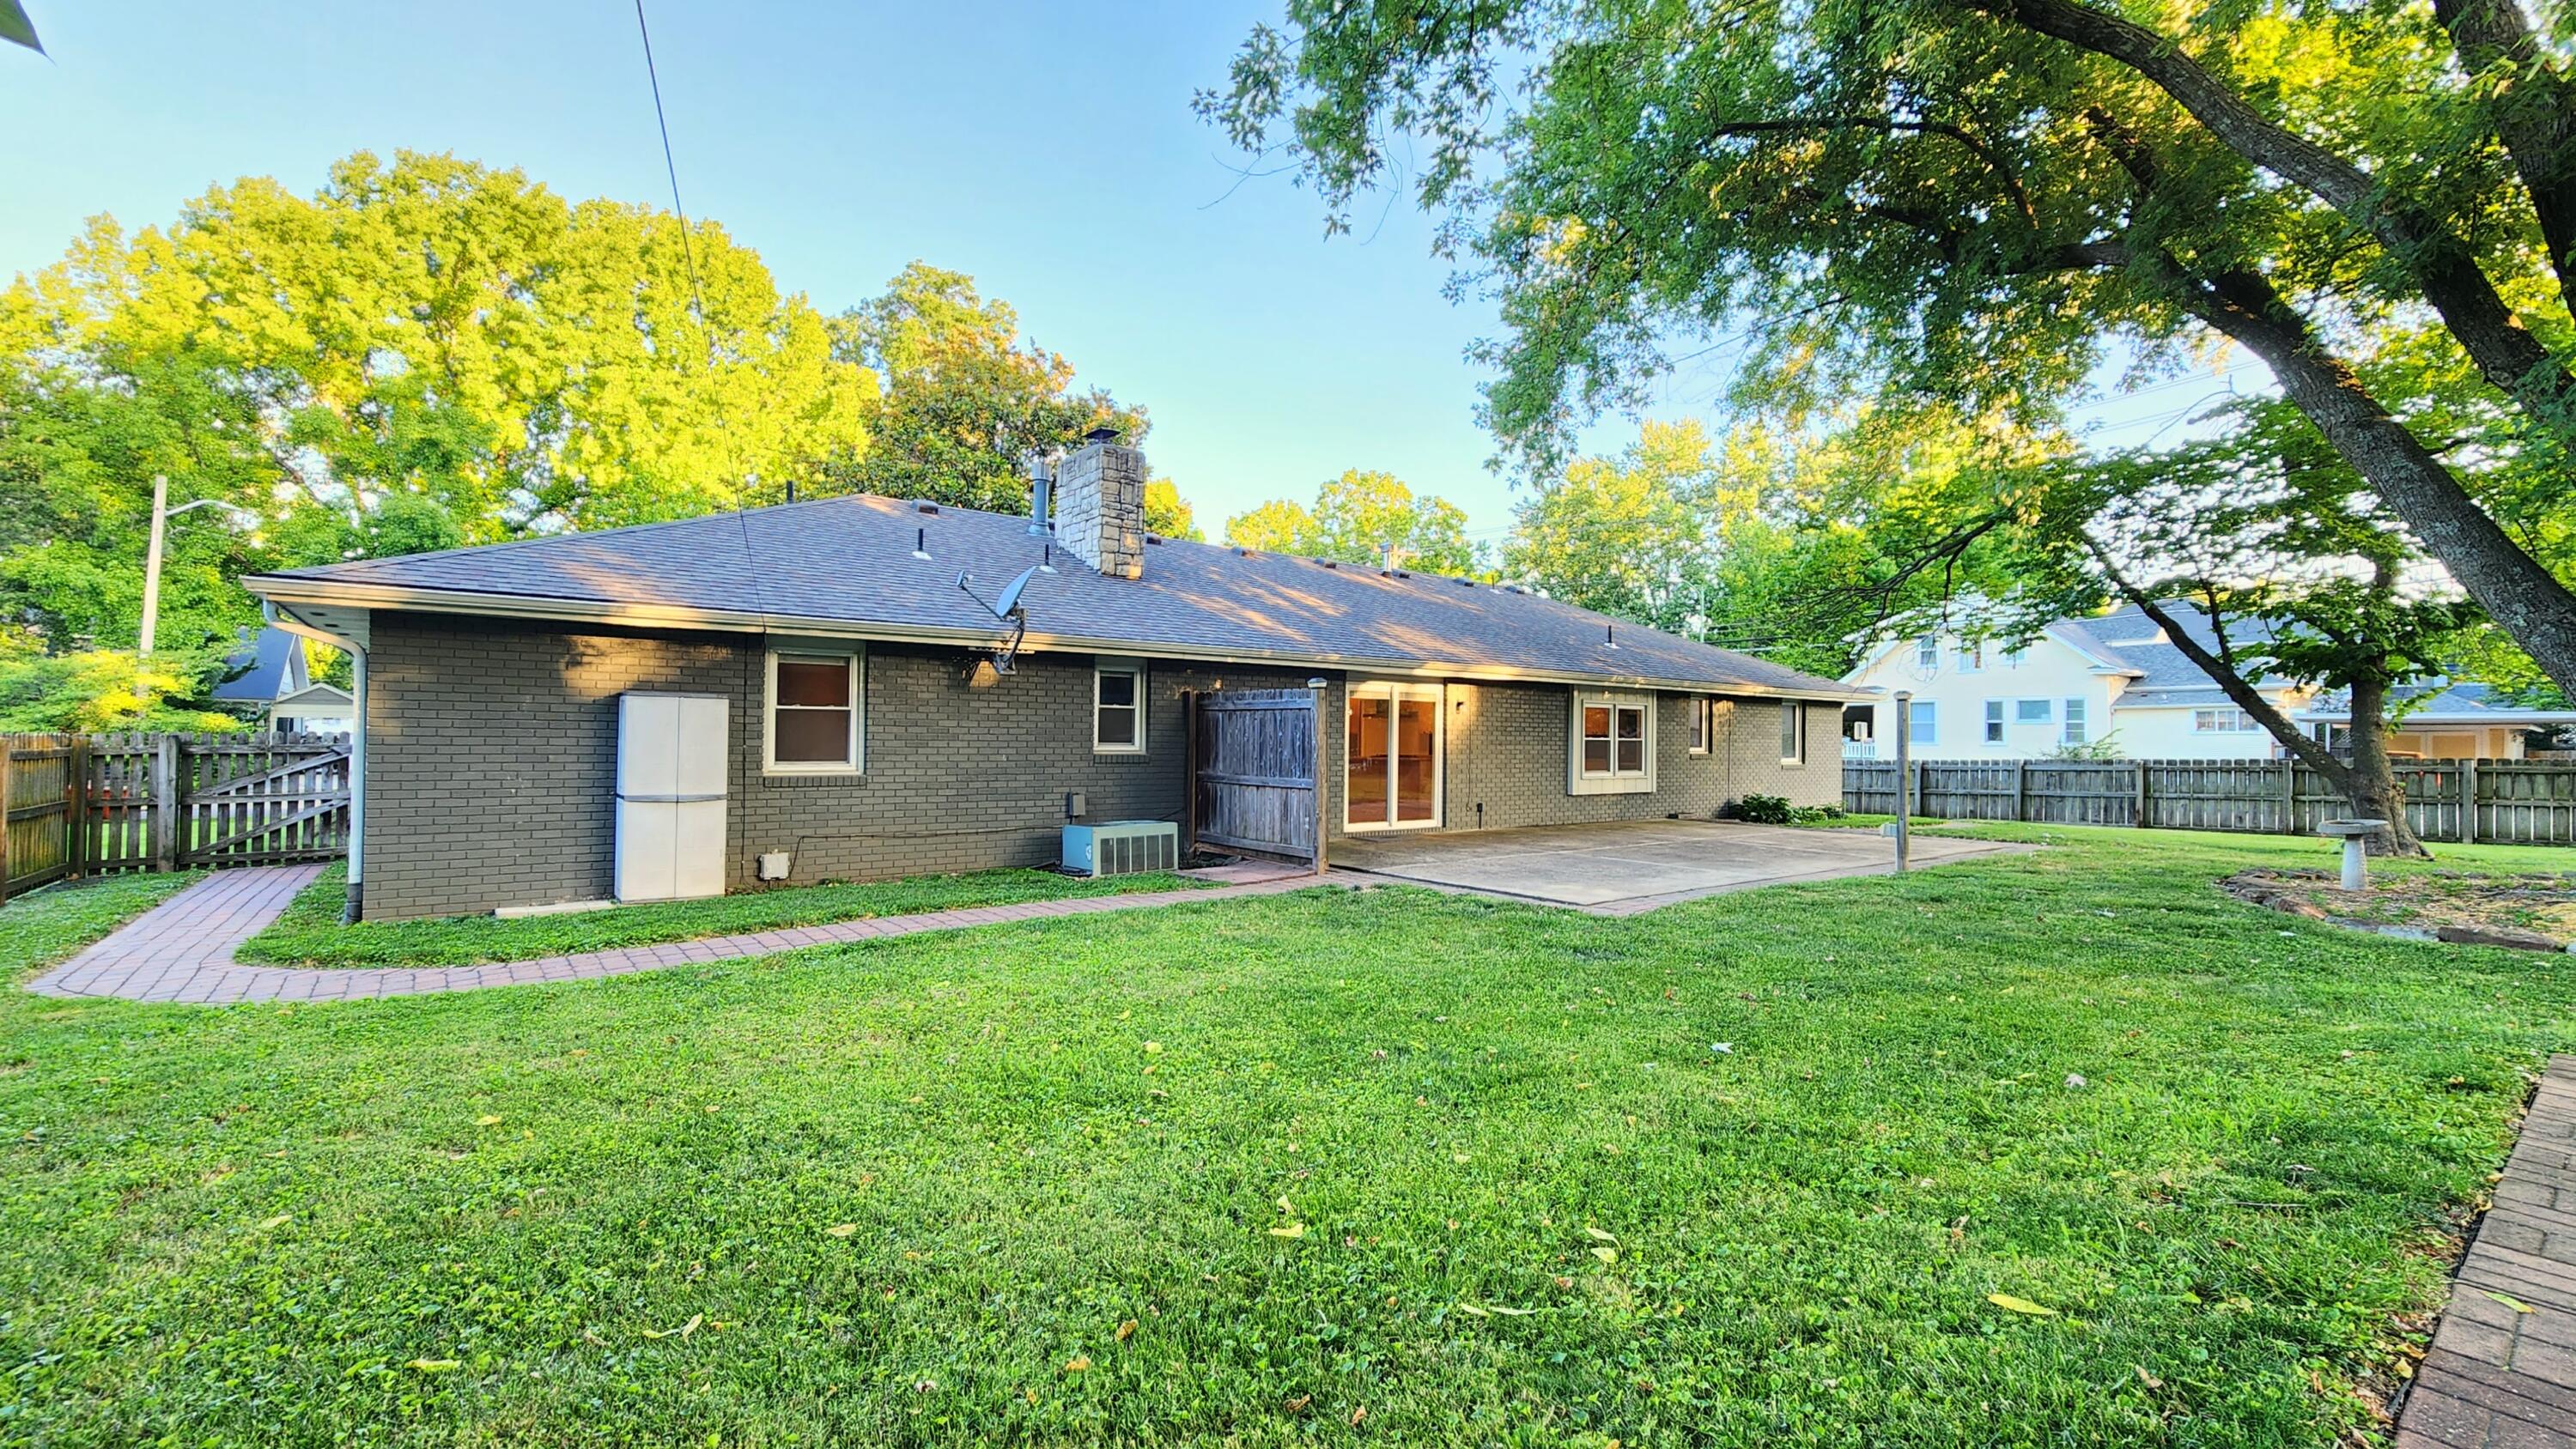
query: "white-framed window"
1927, 653
1972, 656
2075, 730
1613, 744
812, 711
1793, 732
1703, 724
1994, 721
1923, 727
2033, 711
1118, 707
2016, 656
2223, 722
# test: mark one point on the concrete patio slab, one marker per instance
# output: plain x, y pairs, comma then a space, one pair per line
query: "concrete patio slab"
1621, 867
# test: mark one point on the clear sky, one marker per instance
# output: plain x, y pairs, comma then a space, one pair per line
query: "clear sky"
1046, 149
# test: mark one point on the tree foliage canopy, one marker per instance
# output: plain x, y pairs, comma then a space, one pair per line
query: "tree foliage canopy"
1967, 200
1357, 518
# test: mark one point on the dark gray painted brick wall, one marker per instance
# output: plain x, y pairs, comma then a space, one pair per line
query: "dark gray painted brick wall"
492, 748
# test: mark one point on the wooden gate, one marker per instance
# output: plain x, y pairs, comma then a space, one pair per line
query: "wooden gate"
94, 804
39, 801
1254, 762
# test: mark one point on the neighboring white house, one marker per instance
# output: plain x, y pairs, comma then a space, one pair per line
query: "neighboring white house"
268, 674
2117, 682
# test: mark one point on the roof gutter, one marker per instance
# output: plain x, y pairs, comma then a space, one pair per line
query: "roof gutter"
276, 591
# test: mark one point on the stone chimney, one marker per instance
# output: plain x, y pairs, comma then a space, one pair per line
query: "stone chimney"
1100, 505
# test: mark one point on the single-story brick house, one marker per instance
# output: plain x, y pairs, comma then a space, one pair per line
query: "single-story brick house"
870, 736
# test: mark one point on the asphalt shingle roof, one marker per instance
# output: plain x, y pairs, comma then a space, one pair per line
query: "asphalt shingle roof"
849, 561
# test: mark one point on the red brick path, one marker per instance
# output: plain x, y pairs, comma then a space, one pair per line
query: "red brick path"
2499, 1378
182, 949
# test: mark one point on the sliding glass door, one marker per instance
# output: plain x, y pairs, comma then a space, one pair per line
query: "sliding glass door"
1391, 753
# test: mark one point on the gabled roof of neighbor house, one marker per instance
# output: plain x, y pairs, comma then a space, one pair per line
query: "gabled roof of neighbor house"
846, 567
272, 664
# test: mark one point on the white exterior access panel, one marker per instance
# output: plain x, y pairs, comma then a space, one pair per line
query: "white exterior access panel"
672, 765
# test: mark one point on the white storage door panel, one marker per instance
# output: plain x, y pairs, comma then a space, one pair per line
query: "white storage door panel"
648, 837
698, 853
648, 744
700, 764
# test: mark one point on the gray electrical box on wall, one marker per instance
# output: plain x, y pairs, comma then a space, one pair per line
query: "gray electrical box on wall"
1076, 805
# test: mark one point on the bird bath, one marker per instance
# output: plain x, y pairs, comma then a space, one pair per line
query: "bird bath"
2352, 833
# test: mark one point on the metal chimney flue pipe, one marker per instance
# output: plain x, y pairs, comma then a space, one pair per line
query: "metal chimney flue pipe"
1041, 482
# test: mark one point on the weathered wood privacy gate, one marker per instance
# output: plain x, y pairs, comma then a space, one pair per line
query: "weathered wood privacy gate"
89, 804
1255, 758
2530, 802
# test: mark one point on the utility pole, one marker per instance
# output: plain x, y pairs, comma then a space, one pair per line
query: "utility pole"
162, 513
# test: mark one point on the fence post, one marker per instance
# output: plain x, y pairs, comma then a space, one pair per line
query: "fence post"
2138, 809
2289, 794
76, 807
165, 804
2469, 801
8, 767
2021, 790
1190, 774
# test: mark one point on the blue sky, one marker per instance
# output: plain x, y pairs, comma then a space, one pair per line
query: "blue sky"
1048, 150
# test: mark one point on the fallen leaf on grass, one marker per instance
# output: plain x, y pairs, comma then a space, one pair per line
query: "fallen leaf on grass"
2144, 1377
279, 1221
1606, 1255
1153, 1047
683, 1331
842, 1230
432, 1365
1127, 1330
1358, 1414
1077, 1364
2009, 1303
1298, 1404
2515, 1304
488, 1119
1600, 1235
1291, 1230
1480, 1310
1285, 1206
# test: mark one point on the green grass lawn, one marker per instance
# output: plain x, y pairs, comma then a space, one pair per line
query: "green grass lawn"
309, 932
1319, 1168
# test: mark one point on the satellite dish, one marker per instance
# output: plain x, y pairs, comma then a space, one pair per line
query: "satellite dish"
1009, 603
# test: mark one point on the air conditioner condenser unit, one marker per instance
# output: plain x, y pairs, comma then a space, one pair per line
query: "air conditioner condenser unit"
1122, 847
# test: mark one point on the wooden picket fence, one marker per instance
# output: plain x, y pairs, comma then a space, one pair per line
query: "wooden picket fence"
93, 804
2521, 802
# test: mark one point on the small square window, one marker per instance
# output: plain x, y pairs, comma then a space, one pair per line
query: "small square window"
2031, 711
1118, 709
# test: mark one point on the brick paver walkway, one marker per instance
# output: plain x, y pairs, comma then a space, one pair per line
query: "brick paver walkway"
182, 949
2498, 1377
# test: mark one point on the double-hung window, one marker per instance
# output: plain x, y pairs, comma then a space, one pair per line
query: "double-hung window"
1118, 707
1923, 727
2075, 730
1927, 652
1994, 721
1972, 657
1793, 732
811, 726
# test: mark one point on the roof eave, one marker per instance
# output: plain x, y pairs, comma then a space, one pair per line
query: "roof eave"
284, 589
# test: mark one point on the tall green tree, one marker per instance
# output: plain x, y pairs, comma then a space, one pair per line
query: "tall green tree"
966, 396
1966, 199
1363, 517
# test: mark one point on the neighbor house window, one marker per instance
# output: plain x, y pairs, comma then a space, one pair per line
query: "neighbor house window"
812, 723
1703, 725
2222, 722
1927, 653
1994, 721
1614, 746
1118, 708
2031, 711
1793, 732
2076, 731
2014, 656
1972, 657
1922, 729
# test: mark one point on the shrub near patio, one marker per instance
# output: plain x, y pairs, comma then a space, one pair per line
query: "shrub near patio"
2063, 1148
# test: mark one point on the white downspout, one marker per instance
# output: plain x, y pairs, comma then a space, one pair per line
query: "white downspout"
357, 652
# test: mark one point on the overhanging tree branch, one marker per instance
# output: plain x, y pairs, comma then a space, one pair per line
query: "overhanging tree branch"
2534, 115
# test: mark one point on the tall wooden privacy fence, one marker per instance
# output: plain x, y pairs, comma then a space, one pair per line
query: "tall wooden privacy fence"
90, 804
2508, 801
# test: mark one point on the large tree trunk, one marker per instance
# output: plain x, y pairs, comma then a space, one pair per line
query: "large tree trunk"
2369, 783
2531, 108
2521, 595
